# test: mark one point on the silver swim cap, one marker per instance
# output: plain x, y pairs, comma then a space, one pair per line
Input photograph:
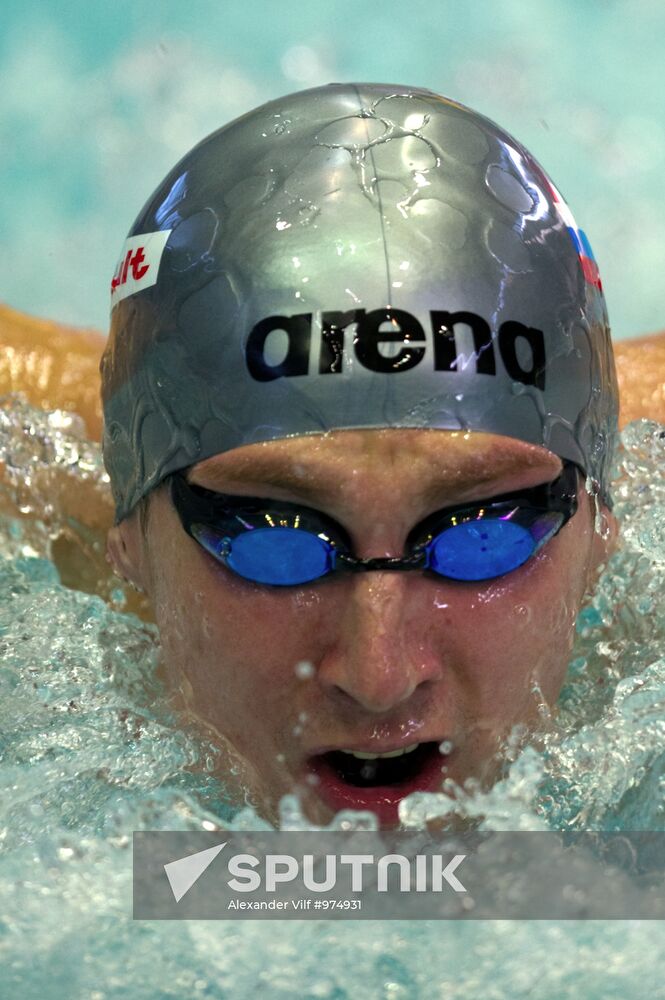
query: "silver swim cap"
354, 256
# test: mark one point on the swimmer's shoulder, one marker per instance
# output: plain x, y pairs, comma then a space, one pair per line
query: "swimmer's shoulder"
54, 366
57, 367
641, 371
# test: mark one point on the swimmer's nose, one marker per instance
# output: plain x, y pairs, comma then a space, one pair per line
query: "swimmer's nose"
379, 657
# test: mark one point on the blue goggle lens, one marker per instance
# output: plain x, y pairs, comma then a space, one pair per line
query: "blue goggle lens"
277, 556
480, 550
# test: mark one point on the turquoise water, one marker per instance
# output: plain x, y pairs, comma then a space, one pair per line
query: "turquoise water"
89, 754
100, 100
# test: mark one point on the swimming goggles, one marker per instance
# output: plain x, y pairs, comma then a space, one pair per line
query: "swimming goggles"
286, 544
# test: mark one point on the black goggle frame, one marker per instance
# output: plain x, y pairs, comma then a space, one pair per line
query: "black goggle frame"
231, 515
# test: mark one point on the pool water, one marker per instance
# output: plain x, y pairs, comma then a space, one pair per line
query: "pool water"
101, 99
89, 753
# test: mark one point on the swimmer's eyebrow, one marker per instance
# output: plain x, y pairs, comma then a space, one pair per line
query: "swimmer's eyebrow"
475, 479
258, 478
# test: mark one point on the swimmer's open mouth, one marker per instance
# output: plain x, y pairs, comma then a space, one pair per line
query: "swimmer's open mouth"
368, 772
346, 780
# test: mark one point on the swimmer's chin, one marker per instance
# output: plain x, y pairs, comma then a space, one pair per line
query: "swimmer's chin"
222, 760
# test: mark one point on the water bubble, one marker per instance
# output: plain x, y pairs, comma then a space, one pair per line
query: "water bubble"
418, 809
304, 669
446, 747
351, 820
118, 598
508, 189
291, 816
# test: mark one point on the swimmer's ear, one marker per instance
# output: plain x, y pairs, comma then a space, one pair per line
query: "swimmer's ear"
124, 550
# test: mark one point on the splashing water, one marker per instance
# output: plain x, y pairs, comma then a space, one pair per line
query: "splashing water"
90, 753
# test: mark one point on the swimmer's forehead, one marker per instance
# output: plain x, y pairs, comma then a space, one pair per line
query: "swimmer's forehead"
429, 461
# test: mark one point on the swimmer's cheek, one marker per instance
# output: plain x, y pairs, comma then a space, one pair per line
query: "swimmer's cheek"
605, 536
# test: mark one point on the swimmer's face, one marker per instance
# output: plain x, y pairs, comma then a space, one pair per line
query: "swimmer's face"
370, 662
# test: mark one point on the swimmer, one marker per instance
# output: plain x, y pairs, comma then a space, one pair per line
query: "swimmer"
360, 407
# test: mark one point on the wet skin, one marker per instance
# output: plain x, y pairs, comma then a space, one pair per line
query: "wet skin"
398, 658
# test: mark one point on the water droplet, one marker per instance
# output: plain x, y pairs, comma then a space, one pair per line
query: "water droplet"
304, 669
508, 189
